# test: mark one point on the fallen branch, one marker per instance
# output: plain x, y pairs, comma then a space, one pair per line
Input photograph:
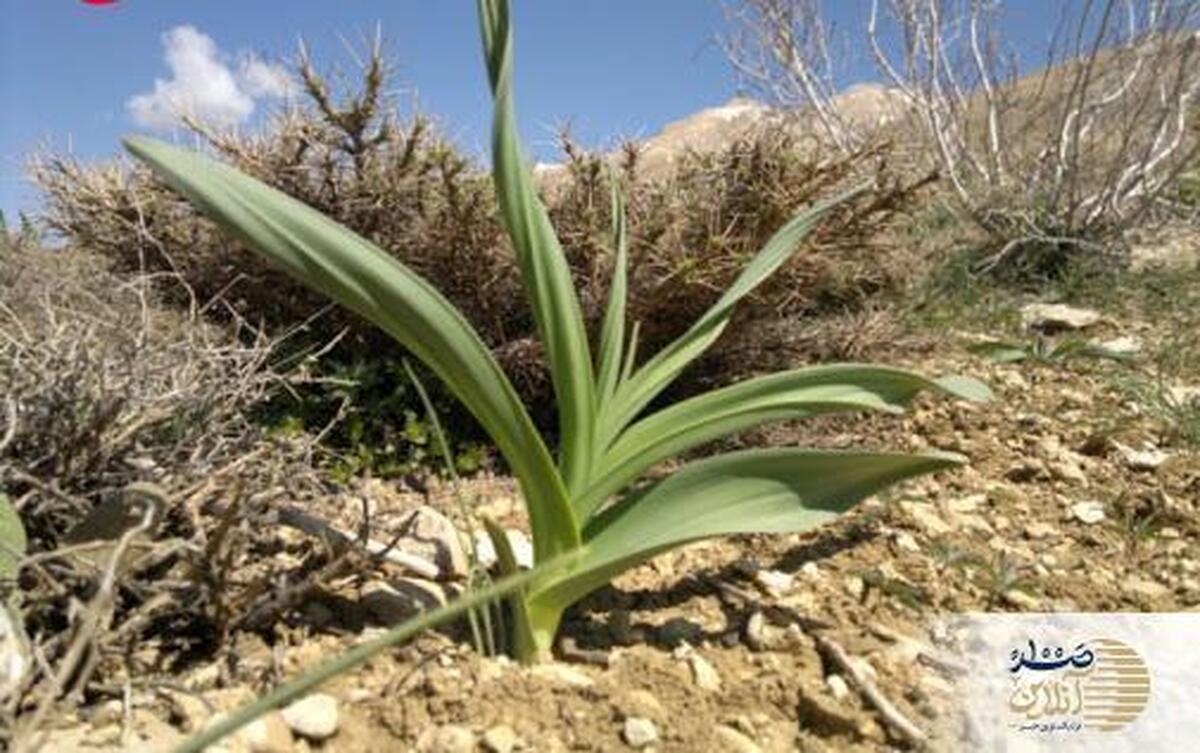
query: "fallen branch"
871, 693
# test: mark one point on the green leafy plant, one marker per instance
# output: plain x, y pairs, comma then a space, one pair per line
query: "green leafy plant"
1044, 351
583, 511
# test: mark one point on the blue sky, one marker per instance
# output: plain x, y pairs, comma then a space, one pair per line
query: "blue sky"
68, 71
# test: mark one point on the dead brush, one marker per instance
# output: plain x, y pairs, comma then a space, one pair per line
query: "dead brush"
351, 153
130, 456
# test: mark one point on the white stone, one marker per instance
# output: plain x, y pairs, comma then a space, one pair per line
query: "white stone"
773, 582
314, 717
1148, 459
500, 739
704, 674
1057, 316
1088, 513
729, 739
639, 732
449, 738
838, 687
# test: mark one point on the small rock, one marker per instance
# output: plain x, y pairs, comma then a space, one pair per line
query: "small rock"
1148, 459
704, 674
562, 673
192, 712
1040, 530
1018, 598
1146, 588
640, 703
1056, 317
639, 732
1025, 470
905, 542
838, 687
810, 570
773, 582
521, 547
314, 717
268, 734
1184, 395
729, 739
1088, 513
1128, 345
968, 504
430, 535
756, 628
449, 738
926, 517
500, 739
393, 602
1067, 470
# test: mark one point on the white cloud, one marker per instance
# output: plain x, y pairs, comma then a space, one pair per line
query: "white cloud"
204, 86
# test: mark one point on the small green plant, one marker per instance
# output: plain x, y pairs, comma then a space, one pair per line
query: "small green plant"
1045, 352
583, 511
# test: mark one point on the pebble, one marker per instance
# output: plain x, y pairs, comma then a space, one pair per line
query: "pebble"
774, 582
268, 734
562, 673
314, 717
729, 739
430, 535
1054, 317
756, 628
703, 673
1149, 459
926, 517
449, 738
905, 542
500, 739
1088, 513
1067, 470
639, 732
837, 687
391, 603
1018, 598
1040, 530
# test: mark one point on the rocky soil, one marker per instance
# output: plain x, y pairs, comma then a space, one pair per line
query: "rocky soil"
1077, 497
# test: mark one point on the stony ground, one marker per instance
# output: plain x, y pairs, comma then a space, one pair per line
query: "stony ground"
1080, 495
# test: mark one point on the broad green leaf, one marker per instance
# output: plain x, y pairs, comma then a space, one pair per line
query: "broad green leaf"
612, 332
341, 264
12, 541
789, 395
544, 269
657, 373
756, 491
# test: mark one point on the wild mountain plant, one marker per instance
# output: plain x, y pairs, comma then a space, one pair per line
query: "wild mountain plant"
586, 519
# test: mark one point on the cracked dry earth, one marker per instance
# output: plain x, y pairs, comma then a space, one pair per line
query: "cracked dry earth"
1074, 499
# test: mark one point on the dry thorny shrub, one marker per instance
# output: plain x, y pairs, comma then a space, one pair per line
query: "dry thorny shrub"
103, 388
393, 179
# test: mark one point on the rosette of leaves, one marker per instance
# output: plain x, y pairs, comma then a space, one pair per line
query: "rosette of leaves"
588, 515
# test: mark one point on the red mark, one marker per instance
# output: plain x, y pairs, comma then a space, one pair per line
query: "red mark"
99, 2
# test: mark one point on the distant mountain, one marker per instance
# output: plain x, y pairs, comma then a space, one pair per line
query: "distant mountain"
864, 105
